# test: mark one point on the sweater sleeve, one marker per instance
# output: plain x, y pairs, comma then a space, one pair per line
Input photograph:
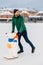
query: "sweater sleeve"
22, 24
13, 25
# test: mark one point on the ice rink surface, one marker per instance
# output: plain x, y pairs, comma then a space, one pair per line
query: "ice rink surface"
35, 34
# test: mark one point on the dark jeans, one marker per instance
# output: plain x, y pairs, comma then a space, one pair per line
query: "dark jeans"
24, 34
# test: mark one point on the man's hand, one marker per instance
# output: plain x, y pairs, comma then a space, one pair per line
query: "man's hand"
12, 31
18, 33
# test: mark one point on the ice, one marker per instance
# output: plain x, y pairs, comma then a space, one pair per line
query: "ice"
35, 34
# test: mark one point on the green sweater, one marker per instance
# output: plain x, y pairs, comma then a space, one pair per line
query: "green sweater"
19, 23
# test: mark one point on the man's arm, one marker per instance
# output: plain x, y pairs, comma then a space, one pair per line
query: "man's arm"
13, 25
22, 24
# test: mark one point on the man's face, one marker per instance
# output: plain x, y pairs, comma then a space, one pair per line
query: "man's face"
17, 13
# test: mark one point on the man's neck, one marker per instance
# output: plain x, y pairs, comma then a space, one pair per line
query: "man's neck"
17, 16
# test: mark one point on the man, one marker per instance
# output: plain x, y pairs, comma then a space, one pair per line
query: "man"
18, 21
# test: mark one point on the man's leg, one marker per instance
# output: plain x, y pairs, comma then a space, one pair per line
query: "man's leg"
20, 45
28, 41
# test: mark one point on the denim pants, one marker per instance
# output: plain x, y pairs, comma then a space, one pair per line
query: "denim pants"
24, 34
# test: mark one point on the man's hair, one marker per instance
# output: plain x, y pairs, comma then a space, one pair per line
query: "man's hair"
15, 10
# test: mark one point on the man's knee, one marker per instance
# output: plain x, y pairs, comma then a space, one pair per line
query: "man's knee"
27, 40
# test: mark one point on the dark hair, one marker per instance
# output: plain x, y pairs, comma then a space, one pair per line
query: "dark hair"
15, 10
